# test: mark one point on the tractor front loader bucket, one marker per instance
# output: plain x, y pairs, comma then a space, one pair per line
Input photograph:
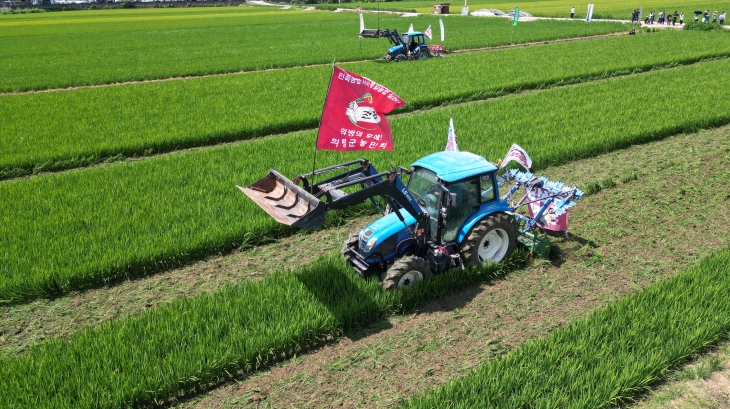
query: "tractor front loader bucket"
286, 202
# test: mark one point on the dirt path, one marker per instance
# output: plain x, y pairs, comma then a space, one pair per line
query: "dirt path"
624, 239
187, 77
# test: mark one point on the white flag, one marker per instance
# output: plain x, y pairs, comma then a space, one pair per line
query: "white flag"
441, 23
518, 155
428, 33
410, 29
362, 23
589, 15
451, 143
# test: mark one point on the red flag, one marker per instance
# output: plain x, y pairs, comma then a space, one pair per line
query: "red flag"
353, 117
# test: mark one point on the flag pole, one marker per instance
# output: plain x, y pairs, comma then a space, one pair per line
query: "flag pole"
324, 104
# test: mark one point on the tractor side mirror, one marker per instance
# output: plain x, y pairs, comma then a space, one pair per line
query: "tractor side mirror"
451, 200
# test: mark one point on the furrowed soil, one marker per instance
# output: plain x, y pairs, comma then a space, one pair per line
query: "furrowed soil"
653, 210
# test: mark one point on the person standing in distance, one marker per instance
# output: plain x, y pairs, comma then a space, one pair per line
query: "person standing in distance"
681, 19
572, 12
722, 18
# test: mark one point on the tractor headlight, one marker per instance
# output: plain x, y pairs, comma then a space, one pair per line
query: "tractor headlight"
369, 245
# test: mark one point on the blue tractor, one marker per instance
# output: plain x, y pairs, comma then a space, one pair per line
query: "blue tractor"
448, 214
406, 46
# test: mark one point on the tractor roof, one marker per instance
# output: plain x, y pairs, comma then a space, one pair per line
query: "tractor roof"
414, 33
453, 166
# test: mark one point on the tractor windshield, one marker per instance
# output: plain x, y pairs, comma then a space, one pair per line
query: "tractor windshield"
427, 192
422, 183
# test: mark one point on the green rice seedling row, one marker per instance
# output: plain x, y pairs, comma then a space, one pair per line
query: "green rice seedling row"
140, 217
185, 346
608, 357
40, 54
143, 119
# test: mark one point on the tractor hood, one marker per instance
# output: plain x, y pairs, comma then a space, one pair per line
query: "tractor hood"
383, 229
395, 49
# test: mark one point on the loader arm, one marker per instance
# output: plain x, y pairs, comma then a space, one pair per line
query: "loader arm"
303, 207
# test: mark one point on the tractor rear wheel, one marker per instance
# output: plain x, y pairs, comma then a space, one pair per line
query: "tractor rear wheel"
490, 240
423, 54
405, 272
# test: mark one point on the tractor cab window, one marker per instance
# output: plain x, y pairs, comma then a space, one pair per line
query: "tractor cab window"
414, 43
487, 189
466, 197
426, 190
406, 39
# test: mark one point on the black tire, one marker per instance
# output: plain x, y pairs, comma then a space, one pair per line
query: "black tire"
405, 272
400, 57
496, 231
423, 54
352, 238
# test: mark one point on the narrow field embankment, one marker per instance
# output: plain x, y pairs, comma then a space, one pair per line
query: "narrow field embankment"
56, 131
142, 217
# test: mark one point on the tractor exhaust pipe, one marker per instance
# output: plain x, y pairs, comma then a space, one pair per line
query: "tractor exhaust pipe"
286, 202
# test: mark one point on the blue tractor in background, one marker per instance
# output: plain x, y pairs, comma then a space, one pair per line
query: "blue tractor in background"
448, 214
406, 46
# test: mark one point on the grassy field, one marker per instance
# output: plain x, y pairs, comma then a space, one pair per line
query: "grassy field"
138, 218
42, 51
144, 119
623, 238
185, 346
615, 307
612, 9
111, 351
611, 355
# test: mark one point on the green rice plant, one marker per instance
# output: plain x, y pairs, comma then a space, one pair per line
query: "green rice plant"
703, 27
67, 231
608, 357
41, 53
183, 347
143, 119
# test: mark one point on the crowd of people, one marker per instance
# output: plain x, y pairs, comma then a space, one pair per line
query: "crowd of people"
671, 19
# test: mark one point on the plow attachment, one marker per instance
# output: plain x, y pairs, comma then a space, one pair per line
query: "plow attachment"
286, 202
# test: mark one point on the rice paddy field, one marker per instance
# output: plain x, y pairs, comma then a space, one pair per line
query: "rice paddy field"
107, 189
42, 51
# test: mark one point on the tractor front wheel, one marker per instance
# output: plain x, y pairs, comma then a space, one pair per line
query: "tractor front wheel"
405, 272
423, 54
353, 238
400, 57
490, 240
